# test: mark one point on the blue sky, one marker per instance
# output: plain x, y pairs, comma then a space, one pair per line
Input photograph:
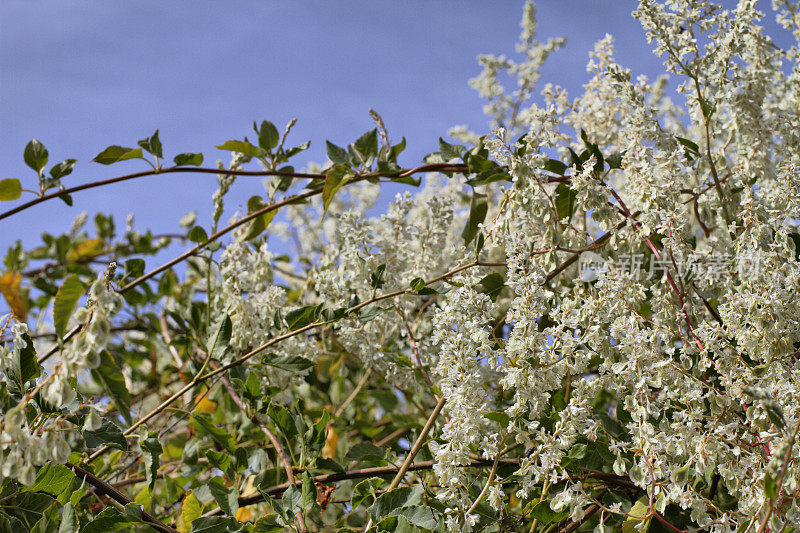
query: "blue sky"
80, 76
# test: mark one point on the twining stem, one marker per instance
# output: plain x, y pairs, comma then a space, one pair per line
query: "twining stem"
778, 482
287, 466
418, 444
443, 167
490, 479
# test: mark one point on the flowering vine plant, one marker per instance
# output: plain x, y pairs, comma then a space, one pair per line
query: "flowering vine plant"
480, 357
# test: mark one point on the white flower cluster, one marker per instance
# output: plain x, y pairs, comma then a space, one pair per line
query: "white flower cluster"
705, 369
26, 444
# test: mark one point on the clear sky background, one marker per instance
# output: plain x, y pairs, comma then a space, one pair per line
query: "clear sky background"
81, 75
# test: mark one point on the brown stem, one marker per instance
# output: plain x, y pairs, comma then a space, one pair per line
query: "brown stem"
586, 516
287, 466
104, 488
126, 177
362, 473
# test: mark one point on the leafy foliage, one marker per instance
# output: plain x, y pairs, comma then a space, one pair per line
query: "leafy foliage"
516, 348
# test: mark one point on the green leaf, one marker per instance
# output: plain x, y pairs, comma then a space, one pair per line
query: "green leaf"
450, 151
565, 201
107, 434
24, 367
226, 497
268, 136
152, 144
110, 376
261, 222
292, 363
134, 267
337, 154
578, 451
378, 277
268, 524
10, 189
151, 451
198, 234
215, 524
35, 155
491, 285
498, 416
479, 242
63, 169
243, 147
220, 338
489, 176
770, 487
308, 493
364, 450
69, 520
364, 491
366, 147
545, 515
293, 151
336, 176
774, 412
420, 515
52, 479
110, 521
555, 166
707, 109
417, 284
64, 304
221, 460
283, 420
225, 439
477, 214
636, 515
188, 158
300, 317
370, 312
388, 503
9, 524
395, 524
114, 154
689, 145
614, 160
408, 180
191, 509
396, 150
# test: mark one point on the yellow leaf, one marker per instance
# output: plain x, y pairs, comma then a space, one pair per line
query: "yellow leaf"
86, 249
10, 287
244, 514
191, 509
144, 498
206, 406
249, 487
638, 514
331, 438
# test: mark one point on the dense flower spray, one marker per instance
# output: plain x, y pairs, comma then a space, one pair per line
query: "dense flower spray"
599, 298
